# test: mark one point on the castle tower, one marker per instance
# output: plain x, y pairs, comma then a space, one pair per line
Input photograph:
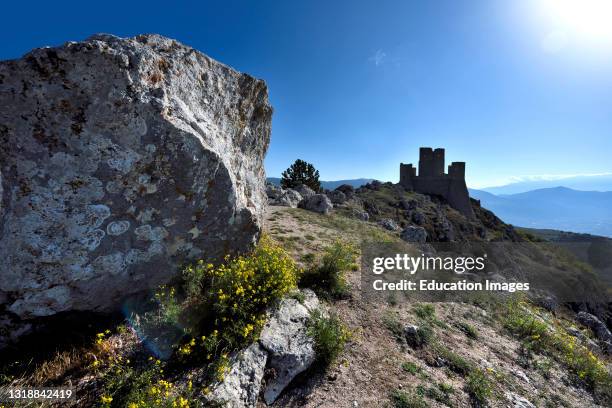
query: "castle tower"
425, 162
432, 179
431, 162
438, 162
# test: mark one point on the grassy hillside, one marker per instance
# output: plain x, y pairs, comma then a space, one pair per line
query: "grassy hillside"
493, 351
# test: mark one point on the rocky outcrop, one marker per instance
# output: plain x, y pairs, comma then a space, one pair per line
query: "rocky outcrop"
318, 203
120, 160
284, 347
414, 234
599, 328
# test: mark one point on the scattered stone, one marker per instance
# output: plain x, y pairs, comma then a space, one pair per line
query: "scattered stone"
521, 375
117, 155
318, 203
414, 234
290, 349
517, 401
389, 224
362, 215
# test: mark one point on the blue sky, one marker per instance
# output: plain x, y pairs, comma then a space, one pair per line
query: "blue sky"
357, 86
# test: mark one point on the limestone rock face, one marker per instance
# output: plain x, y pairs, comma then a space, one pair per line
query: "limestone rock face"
241, 385
120, 159
290, 348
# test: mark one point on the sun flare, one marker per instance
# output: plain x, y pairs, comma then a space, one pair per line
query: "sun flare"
583, 19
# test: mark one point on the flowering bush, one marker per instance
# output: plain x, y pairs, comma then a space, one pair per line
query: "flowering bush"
524, 320
228, 302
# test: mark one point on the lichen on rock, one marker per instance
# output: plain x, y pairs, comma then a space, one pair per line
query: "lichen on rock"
113, 153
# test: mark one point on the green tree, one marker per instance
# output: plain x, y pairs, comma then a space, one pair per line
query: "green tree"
301, 172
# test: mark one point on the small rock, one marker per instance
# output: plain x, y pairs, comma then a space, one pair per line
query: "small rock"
318, 203
520, 374
362, 215
517, 401
389, 224
414, 234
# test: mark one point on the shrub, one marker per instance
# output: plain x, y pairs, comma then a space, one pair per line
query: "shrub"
393, 324
401, 399
330, 336
479, 387
327, 278
425, 311
468, 329
411, 368
454, 361
225, 305
522, 320
441, 393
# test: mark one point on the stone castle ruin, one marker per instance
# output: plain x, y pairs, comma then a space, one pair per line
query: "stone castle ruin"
432, 179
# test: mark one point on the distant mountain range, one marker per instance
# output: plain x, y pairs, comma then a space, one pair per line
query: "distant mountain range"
559, 208
601, 182
330, 185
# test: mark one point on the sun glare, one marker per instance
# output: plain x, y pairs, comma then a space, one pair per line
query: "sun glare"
581, 19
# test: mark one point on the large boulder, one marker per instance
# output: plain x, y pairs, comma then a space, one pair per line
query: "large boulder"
288, 198
273, 191
305, 191
318, 203
336, 196
121, 159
